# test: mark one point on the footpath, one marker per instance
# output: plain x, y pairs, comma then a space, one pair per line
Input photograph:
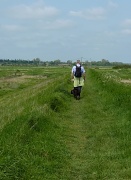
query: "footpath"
84, 124
96, 138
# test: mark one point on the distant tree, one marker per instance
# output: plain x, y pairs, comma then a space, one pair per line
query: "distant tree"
36, 61
51, 63
105, 62
56, 62
69, 62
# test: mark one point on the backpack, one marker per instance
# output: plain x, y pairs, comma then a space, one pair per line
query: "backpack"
78, 71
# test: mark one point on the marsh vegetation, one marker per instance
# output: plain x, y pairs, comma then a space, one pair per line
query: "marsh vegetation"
47, 134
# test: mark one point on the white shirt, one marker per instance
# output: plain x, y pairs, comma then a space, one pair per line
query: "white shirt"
74, 69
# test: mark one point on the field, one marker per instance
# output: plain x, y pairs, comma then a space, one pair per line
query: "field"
48, 135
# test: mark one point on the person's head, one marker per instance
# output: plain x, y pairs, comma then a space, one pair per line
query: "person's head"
78, 61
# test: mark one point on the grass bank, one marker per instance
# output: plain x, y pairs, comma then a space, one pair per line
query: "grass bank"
58, 137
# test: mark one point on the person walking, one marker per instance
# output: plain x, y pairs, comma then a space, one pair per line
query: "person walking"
78, 77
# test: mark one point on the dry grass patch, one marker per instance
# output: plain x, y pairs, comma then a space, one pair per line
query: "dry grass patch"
21, 79
127, 81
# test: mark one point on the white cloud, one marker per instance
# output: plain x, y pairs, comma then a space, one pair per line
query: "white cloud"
94, 13
33, 11
12, 27
57, 24
112, 4
126, 31
127, 22
126, 27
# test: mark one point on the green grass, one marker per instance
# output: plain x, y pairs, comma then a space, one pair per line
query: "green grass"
47, 134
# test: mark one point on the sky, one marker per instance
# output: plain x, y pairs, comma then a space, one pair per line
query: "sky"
66, 30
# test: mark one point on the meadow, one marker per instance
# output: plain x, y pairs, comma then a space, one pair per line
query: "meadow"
48, 135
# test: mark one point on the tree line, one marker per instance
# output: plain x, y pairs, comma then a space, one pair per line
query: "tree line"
57, 62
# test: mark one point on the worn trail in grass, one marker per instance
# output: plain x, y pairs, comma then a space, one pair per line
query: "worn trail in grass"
80, 133
91, 137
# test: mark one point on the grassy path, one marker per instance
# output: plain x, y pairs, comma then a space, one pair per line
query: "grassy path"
80, 135
93, 140
87, 140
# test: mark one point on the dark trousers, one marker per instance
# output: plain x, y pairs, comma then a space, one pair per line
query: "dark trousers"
77, 91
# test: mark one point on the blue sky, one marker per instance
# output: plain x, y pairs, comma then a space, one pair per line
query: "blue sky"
66, 30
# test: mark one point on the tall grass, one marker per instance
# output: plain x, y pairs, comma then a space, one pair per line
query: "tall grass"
29, 145
115, 94
110, 122
50, 135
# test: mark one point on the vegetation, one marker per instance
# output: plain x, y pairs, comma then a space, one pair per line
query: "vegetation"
47, 134
125, 66
58, 62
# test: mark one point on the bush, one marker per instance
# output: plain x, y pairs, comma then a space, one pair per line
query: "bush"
125, 66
